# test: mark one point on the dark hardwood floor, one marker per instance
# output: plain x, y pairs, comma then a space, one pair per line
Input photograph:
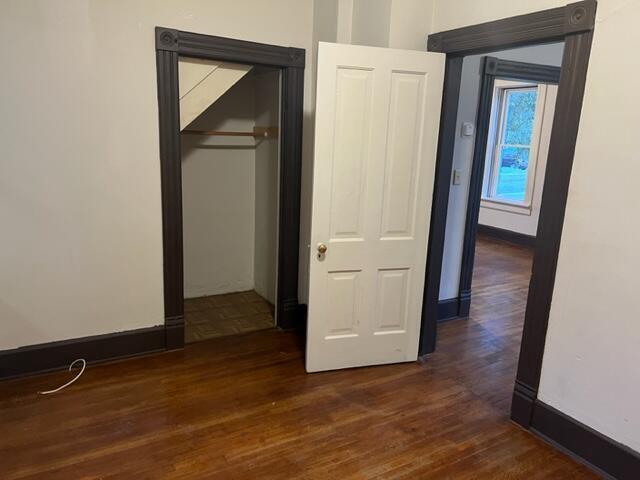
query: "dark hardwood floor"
243, 407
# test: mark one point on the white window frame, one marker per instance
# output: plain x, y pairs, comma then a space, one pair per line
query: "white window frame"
494, 142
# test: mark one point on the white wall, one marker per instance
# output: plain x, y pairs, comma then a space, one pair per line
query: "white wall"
463, 154
218, 193
325, 19
81, 246
409, 23
516, 219
344, 20
267, 112
590, 369
381, 23
371, 22
448, 15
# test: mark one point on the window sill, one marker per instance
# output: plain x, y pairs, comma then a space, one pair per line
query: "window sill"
511, 207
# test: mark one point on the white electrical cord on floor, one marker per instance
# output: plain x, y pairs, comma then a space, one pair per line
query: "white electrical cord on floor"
84, 364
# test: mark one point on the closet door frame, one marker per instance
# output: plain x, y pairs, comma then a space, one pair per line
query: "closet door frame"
170, 45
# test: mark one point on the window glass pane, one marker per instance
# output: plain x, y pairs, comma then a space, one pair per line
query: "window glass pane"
513, 166
520, 109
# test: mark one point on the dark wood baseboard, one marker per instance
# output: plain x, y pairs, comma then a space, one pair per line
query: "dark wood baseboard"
448, 309
301, 325
465, 303
451, 308
522, 402
293, 315
57, 355
600, 453
509, 236
603, 454
303, 310
174, 332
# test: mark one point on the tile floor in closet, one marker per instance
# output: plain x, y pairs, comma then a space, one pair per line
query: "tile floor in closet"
227, 314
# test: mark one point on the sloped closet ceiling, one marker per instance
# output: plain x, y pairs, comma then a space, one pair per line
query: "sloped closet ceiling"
202, 82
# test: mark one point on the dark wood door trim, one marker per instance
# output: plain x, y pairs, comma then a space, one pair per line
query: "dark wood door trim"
574, 24
198, 45
538, 27
552, 210
444, 163
491, 69
512, 70
170, 44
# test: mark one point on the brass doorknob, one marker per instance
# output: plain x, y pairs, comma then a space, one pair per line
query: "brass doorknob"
322, 248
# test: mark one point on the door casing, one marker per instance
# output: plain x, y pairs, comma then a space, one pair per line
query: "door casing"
171, 44
574, 24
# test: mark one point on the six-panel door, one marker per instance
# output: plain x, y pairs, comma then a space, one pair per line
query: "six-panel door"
377, 118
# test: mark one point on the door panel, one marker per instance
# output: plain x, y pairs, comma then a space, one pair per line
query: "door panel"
342, 289
353, 102
391, 310
401, 162
377, 118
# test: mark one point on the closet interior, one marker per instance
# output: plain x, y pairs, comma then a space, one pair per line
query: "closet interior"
229, 120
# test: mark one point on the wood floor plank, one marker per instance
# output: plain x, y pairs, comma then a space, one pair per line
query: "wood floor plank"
243, 407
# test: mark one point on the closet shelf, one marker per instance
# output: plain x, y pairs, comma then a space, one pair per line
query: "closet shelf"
258, 132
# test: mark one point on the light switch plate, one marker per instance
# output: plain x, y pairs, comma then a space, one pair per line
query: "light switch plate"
457, 177
467, 129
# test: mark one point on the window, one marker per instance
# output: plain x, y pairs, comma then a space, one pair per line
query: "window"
512, 144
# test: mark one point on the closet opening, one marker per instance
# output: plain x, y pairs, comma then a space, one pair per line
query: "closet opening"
230, 167
230, 114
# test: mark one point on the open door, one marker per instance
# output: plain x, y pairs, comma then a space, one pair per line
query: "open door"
377, 119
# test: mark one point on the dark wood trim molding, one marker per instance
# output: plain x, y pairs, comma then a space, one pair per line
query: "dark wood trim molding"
221, 48
99, 348
475, 182
554, 201
508, 236
171, 186
448, 309
574, 24
451, 308
510, 69
544, 26
170, 44
465, 302
440, 202
522, 402
599, 452
289, 203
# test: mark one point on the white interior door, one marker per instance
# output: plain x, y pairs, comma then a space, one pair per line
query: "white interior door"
377, 119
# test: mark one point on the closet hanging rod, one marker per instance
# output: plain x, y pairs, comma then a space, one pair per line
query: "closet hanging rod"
219, 133
259, 132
